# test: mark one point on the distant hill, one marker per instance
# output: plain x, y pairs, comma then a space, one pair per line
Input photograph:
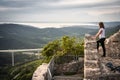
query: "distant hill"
13, 36
16, 36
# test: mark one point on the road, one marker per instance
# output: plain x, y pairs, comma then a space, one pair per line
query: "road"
20, 50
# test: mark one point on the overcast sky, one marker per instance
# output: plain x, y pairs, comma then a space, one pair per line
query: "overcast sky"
59, 10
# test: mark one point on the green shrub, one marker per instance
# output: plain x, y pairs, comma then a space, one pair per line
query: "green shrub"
64, 46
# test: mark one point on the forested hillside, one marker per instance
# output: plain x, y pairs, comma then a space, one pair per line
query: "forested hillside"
16, 36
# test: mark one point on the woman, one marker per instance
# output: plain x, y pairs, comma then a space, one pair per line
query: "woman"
101, 35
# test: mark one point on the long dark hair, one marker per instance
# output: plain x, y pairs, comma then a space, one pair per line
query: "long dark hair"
101, 25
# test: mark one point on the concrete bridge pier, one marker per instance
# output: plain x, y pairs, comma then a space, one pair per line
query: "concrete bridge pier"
13, 58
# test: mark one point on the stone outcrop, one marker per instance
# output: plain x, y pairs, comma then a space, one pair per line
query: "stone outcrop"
91, 59
95, 66
73, 66
67, 78
40, 72
69, 67
112, 56
113, 46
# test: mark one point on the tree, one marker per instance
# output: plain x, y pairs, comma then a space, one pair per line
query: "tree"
65, 46
51, 48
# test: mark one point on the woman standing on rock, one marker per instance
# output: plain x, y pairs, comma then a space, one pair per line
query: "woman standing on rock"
101, 35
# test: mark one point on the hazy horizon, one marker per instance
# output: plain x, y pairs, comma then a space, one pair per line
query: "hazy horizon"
58, 24
53, 25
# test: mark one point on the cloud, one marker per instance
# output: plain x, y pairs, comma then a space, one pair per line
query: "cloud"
57, 10
104, 11
66, 4
3, 9
76, 2
56, 4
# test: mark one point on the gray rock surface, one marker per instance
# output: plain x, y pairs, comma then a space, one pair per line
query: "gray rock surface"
40, 72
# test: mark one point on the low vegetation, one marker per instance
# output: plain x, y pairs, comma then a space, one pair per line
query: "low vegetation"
64, 46
21, 72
